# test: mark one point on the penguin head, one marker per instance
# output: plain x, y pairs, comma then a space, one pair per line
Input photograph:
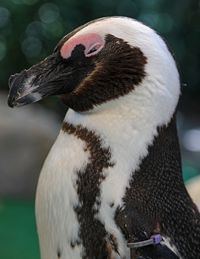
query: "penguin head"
100, 63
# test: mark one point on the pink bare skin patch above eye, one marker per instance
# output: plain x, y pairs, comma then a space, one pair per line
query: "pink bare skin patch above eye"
93, 44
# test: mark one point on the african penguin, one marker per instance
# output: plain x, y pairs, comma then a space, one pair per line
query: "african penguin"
113, 175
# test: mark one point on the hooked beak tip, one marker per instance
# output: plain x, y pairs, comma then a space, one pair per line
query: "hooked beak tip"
27, 99
10, 102
22, 91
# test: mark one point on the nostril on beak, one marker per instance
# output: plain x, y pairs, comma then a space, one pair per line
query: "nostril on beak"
12, 89
10, 102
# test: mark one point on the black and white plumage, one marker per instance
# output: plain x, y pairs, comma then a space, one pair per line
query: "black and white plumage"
114, 173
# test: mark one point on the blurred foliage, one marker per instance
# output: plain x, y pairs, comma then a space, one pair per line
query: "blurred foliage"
18, 237
29, 30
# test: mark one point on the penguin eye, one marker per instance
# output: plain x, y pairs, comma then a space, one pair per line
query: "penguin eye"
93, 50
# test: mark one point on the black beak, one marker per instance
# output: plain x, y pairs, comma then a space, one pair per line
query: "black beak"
49, 77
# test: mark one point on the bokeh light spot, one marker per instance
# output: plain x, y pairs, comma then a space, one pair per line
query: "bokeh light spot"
127, 8
191, 140
4, 16
150, 3
150, 19
30, 2
27, 2
53, 30
34, 28
159, 21
48, 13
17, 1
165, 23
31, 47
2, 50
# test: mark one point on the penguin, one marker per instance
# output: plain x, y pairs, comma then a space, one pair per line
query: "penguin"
113, 176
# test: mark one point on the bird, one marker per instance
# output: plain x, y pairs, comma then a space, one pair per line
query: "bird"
113, 176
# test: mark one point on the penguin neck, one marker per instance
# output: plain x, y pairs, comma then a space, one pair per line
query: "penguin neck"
127, 126
124, 126
139, 113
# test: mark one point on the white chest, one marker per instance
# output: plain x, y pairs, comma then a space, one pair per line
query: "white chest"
57, 196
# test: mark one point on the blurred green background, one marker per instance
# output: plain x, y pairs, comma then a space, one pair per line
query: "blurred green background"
29, 30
